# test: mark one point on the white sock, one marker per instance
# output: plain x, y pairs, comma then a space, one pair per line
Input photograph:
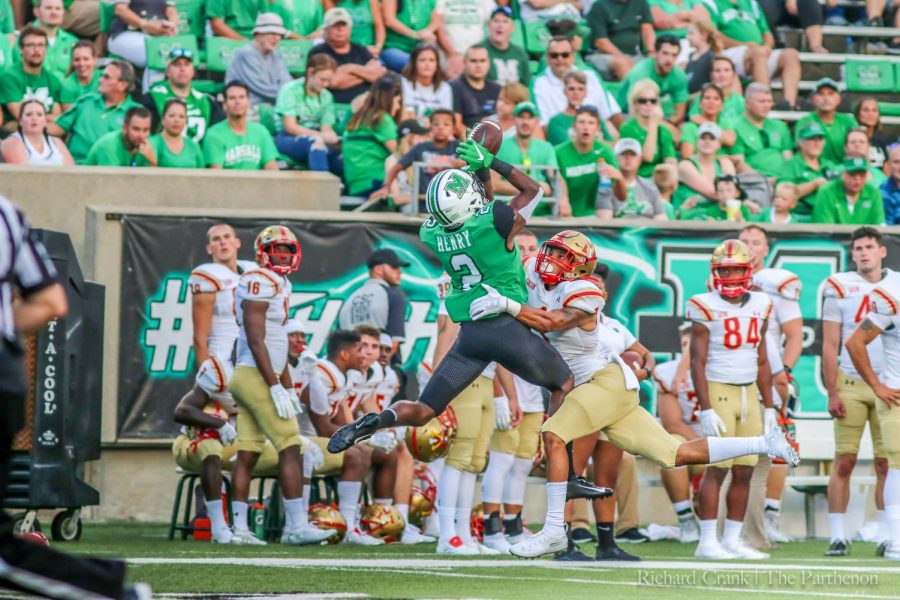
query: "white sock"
773, 504
892, 505
708, 533
384, 501
216, 517
836, 522
514, 490
240, 511
464, 506
727, 448
683, 510
884, 532
556, 505
306, 493
403, 509
496, 475
348, 492
448, 492
436, 467
295, 514
732, 533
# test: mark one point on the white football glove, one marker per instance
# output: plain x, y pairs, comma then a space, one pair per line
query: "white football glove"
502, 414
312, 452
711, 423
383, 440
283, 401
227, 433
491, 304
770, 419
308, 362
295, 400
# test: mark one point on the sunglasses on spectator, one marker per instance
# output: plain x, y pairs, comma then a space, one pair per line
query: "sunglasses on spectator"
181, 53
559, 54
647, 100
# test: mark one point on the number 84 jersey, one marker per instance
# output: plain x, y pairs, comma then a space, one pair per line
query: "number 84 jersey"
734, 334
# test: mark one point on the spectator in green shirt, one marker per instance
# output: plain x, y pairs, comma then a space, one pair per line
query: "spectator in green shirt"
621, 33
129, 147
647, 127
409, 24
857, 145
807, 170
560, 125
582, 162
763, 144
826, 100
172, 147
97, 113
49, 15
509, 62
849, 199
368, 22
30, 79
523, 150
371, 136
7, 18
305, 117
724, 76
82, 77
784, 202
672, 17
234, 19
712, 101
669, 78
236, 143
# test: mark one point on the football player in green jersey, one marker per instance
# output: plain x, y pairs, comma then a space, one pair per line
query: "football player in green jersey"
474, 240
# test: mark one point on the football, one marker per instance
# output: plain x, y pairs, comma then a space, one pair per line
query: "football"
630, 357
488, 133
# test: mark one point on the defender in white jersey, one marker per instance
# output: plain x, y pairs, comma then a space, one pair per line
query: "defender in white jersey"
851, 402
730, 370
784, 288
564, 306
261, 382
884, 321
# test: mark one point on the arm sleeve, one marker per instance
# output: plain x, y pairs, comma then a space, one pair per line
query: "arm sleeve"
504, 219
32, 267
396, 325
831, 310
584, 296
269, 151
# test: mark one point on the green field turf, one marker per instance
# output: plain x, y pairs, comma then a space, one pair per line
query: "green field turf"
186, 568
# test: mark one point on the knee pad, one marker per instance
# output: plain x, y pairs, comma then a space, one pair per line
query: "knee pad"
461, 453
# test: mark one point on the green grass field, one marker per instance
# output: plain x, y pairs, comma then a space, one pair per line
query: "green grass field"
190, 568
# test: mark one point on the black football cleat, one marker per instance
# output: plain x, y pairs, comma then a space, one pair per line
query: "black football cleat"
358, 430
881, 548
838, 548
573, 554
582, 535
579, 487
616, 553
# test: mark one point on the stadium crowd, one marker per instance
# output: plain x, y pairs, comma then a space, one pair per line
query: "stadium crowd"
639, 108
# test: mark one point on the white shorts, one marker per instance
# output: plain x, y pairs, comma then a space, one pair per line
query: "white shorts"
737, 53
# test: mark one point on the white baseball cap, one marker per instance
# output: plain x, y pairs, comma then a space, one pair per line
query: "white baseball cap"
295, 326
627, 145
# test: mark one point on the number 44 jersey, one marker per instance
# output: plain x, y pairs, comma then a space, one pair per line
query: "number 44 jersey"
475, 253
734, 334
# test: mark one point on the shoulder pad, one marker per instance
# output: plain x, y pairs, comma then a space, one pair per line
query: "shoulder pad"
835, 287
259, 285
778, 282
697, 308
884, 301
247, 265
582, 295
206, 278
328, 378
213, 376
443, 285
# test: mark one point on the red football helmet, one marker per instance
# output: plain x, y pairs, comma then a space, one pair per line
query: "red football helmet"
277, 249
732, 254
578, 260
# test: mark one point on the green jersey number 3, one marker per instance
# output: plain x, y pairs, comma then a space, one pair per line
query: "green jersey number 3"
464, 267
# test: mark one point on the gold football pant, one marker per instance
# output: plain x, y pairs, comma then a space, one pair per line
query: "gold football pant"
862, 406
257, 419
738, 407
521, 441
474, 410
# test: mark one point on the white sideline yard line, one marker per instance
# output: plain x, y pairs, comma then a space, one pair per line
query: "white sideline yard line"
438, 563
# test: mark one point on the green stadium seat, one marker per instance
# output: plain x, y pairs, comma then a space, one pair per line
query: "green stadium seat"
518, 34
870, 76
219, 51
107, 14
158, 48
190, 17
536, 37
293, 55
889, 109
208, 86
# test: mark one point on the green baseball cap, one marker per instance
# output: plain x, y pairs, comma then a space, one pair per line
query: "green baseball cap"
855, 164
827, 82
526, 107
811, 130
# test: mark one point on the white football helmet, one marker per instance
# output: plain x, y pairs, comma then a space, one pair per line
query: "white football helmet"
453, 196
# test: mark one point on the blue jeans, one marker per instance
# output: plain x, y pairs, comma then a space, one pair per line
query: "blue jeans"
300, 149
394, 59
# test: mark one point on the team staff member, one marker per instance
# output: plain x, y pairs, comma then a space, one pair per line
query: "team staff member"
26, 270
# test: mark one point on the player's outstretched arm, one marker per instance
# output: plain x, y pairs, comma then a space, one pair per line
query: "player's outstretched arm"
553, 320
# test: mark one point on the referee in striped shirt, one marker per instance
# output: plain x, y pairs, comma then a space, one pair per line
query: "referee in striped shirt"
30, 297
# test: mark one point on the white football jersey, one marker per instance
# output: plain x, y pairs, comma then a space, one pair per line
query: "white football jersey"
531, 398
784, 288
582, 350
363, 386
848, 302
734, 334
264, 285
885, 305
221, 281
664, 376
614, 335
299, 380
387, 388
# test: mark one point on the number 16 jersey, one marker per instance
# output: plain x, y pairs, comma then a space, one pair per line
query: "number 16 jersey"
734, 334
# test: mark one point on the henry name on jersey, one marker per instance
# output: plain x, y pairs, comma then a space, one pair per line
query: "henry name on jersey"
451, 242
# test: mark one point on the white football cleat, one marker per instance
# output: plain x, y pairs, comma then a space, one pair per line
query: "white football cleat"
432, 526
688, 532
777, 446
356, 537
541, 544
412, 535
223, 536
497, 542
892, 552
244, 537
306, 534
482, 549
713, 551
742, 550
456, 547
773, 530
